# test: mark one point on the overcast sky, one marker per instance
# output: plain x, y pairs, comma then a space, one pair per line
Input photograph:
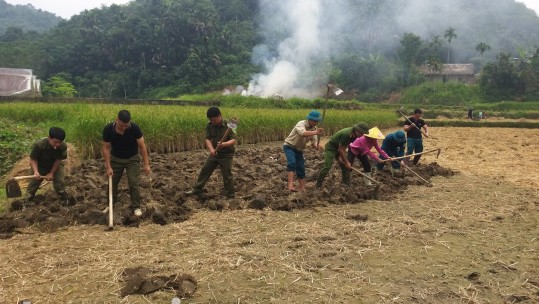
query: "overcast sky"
68, 8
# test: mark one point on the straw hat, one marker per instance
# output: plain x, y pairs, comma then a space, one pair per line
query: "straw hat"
375, 133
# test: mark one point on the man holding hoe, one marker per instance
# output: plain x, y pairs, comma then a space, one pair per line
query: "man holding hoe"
221, 150
335, 149
46, 163
294, 144
412, 127
123, 143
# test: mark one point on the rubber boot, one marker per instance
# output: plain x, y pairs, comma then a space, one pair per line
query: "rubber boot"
416, 159
366, 180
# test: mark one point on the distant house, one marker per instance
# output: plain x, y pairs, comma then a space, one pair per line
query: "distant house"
451, 72
20, 82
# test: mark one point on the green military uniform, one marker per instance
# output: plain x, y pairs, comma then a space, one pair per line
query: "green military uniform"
223, 159
45, 156
331, 152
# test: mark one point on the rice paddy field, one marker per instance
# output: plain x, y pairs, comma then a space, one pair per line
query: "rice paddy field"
469, 238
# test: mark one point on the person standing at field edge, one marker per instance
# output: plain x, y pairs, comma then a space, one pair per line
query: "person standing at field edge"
123, 144
221, 153
46, 163
294, 144
412, 127
335, 149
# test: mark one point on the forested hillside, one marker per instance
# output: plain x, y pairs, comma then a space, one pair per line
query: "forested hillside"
25, 18
161, 48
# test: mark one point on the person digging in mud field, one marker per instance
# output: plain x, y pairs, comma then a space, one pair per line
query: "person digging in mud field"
361, 148
294, 144
46, 163
123, 144
221, 153
393, 145
414, 136
335, 149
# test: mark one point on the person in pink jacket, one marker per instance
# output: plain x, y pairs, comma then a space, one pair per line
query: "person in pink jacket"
361, 148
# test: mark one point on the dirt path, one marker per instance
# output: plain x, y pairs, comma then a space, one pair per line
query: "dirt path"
471, 238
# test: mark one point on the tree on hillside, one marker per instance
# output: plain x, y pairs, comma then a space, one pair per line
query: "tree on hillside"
500, 80
435, 44
58, 86
449, 35
410, 55
482, 48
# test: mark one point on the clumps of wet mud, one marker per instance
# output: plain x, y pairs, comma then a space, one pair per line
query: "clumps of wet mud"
140, 280
259, 178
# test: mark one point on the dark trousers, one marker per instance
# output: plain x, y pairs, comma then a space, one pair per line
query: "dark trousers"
414, 145
131, 166
364, 159
391, 152
57, 182
225, 165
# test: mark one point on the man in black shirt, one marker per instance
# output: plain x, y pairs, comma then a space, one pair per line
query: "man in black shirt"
122, 143
221, 153
46, 163
412, 127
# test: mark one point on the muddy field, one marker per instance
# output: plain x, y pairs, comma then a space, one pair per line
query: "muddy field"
471, 237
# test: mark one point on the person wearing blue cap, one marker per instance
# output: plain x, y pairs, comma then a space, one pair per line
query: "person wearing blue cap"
393, 145
294, 144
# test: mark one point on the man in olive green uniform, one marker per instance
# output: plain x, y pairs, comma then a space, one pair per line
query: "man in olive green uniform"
221, 153
336, 149
46, 163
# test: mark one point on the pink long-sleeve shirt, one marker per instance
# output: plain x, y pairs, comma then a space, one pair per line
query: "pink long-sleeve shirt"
364, 144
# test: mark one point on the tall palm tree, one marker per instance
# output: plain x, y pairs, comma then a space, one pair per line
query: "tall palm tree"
449, 35
435, 44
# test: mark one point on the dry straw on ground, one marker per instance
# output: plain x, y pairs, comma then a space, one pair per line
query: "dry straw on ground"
472, 238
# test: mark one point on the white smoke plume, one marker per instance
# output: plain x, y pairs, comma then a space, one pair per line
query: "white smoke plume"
290, 65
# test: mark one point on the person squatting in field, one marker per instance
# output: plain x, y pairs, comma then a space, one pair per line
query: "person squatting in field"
361, 148
335, 149
123, 143
393, 145
221, 153
412, 127
46, 163
303, 132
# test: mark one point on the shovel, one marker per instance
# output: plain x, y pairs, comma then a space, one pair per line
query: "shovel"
12, 186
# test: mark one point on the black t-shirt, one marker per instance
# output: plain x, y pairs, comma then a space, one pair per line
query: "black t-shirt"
122, 146
414, 132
